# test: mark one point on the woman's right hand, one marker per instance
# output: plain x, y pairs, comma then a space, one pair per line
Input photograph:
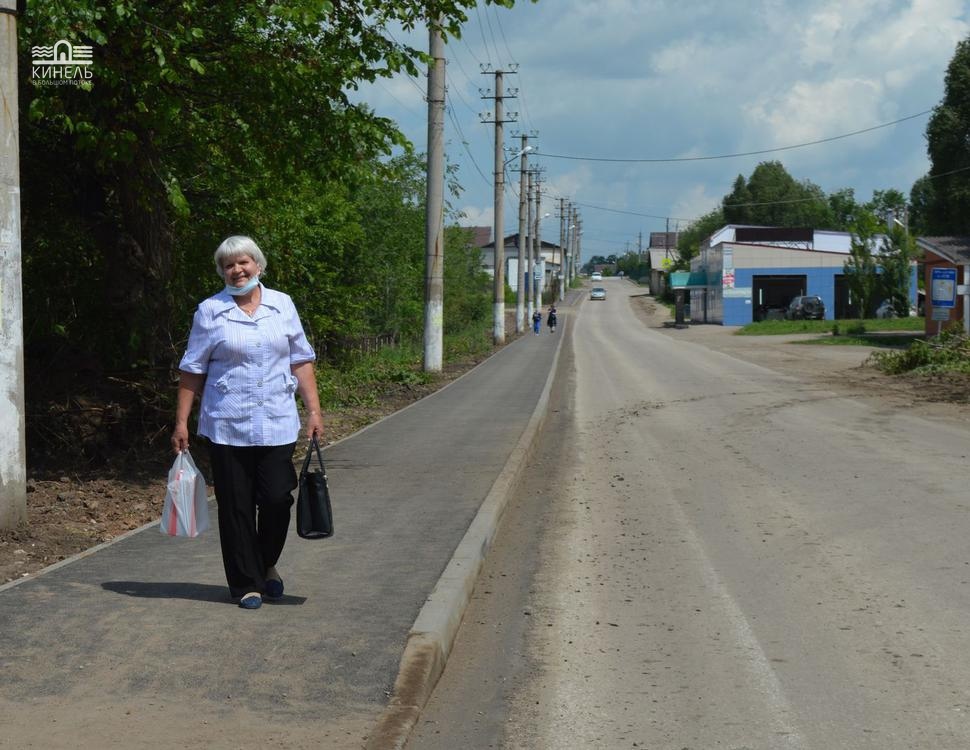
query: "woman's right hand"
180, 438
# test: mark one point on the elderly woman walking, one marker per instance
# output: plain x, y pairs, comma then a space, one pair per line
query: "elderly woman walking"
246, 357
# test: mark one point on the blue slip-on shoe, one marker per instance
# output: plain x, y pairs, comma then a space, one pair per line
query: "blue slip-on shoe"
273, 588
251, 600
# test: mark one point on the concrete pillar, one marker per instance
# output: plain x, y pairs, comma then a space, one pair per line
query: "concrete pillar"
13, 466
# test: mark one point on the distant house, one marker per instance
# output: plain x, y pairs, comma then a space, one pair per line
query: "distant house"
481, 236
662, 254
945, 252
746, 273
550, 260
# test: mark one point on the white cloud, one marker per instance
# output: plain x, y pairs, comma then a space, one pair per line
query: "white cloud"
668, 78
810, 111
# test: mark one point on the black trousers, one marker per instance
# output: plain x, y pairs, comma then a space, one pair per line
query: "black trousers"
254, 488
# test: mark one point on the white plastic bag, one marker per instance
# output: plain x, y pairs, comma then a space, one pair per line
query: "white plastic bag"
186, 509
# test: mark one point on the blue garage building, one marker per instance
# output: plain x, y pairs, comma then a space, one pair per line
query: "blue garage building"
745, 274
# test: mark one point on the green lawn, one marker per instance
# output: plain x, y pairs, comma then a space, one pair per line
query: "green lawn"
846, 328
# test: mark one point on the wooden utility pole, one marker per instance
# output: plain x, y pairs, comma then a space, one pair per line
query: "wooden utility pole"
13, 452
498, 300
434, 211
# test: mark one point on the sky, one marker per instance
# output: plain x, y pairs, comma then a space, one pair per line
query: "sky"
677, 80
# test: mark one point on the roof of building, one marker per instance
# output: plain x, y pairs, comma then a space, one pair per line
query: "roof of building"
953, 249
662, 240
481, 236
513, 240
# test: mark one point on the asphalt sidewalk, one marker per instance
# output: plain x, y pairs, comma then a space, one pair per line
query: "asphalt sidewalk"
136, 645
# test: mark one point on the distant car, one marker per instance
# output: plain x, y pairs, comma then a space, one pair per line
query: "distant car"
597, 292
886, 309
597, 276
807, 307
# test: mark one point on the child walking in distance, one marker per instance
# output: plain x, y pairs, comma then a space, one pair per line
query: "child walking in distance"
536, 321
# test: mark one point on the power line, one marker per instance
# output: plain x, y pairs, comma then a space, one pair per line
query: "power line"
522, 98
481, 29
630, 213
464, 143
744, 153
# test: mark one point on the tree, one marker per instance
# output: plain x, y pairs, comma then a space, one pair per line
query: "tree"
772, 197
202, 119
921, 199
690, 239
946, 208
861, 274
843, 206
896, 258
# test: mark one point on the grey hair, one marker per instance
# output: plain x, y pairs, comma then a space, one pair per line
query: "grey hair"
234, 246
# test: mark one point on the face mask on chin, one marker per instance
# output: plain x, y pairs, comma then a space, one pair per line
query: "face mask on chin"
236, 291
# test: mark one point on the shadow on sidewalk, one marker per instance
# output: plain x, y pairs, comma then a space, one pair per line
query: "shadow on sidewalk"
201, 592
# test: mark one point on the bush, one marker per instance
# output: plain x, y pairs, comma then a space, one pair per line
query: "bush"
949, 352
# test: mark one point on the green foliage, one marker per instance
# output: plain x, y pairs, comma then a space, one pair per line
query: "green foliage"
772, 197
949, 352
690, 239
896, 258
633, 265
854, 327
860, 267
210, 119
359, 382
944, 207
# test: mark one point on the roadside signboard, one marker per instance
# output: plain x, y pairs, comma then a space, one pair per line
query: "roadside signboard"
943, 291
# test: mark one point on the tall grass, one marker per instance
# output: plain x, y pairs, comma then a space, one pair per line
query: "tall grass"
853, 326
361, 380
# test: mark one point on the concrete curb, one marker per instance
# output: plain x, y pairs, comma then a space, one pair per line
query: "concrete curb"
434, 631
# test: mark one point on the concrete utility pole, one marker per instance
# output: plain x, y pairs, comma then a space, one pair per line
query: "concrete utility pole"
579, 237
529, 272
499, 95
520, 283
434, 259
13, 451
562, 249
537, 242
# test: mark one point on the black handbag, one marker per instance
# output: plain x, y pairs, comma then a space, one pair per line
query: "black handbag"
314, 517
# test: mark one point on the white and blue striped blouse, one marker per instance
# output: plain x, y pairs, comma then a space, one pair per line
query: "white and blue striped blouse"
248, 397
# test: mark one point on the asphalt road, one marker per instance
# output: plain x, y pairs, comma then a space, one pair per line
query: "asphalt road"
137, 644
735, 556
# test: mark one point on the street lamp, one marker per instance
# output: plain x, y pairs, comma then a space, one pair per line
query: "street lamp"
526, 150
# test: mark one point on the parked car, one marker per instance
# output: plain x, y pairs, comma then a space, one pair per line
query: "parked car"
597, 292
597, 276
886, 309
806, 307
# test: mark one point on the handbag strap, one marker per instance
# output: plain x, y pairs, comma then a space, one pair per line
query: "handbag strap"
314, 445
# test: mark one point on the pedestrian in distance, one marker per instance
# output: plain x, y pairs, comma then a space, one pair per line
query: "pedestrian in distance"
551, 319
247, 356
536, 321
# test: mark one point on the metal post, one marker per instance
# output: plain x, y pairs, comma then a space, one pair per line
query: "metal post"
13, 452
434, 212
